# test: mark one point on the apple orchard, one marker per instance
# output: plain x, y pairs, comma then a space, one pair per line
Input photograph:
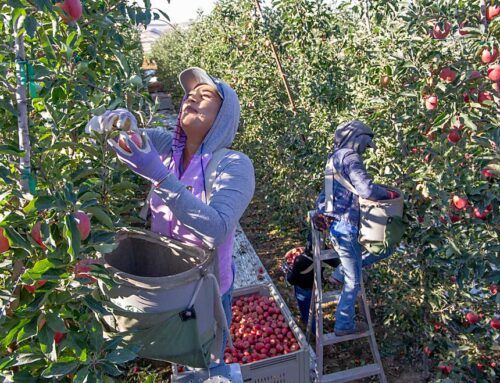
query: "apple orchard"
424, 75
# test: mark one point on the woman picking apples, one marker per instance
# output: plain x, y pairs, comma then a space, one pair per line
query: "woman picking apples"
343, 220
176, 163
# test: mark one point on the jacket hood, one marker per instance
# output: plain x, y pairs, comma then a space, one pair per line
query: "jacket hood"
223, 130
353, 135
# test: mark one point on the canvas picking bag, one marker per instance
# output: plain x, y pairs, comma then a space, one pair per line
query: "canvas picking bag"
381, 222
165, 299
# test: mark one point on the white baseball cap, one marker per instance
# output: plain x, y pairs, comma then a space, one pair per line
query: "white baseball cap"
190, 78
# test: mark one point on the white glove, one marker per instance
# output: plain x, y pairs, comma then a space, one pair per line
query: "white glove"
119, 118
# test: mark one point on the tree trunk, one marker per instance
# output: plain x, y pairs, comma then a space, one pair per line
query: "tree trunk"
22, 108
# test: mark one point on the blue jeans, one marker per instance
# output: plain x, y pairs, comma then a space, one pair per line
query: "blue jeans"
303, 297
349, 273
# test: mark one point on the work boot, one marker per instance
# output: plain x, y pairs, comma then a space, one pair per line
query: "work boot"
359, 327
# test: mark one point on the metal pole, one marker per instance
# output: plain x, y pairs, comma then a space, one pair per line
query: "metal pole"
278, 62
22, 107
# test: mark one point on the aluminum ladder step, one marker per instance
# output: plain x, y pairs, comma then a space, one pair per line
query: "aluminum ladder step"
352, 374
327, 254
330, 296
331, 338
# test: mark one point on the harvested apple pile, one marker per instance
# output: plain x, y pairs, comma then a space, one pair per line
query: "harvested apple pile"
259, 331
292, 254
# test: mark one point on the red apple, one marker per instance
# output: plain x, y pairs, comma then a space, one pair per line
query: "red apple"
489, 55
439, 33
4, 242
135, 137
72, 8
455, 218
462, 25
494, 73
427, 351
472, 317
470, 93
493, 289
495, 323
447, 74
474, 75
36, 234
59, 336
445, 369
492, 11
482, 214
32, 288
459, 202
484, 96
82, 269
83, 224
431, 102
454, 136
487, 173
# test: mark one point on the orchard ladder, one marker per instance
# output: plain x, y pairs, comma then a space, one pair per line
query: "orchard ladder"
319, 298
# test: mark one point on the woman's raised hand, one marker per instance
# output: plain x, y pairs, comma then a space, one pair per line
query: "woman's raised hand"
120, 119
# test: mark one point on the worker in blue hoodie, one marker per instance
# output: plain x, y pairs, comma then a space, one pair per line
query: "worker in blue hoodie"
351, 141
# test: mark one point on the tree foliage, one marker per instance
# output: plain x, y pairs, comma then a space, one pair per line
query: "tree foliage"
73, 70
378, 61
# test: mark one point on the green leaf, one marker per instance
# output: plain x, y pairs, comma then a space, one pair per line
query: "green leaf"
57, 370
23, 359
95, 333
101, 216
81, 375
83, 173
120, 356
122, 61
89, 203
88, 196
40, 268
110, 369
41, 203
113, 343
55, 322
30, 25
95, 306
6, 340
72, 235
468, 122
11, 149
16, 240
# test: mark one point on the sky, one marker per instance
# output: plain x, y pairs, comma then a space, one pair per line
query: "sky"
180, 11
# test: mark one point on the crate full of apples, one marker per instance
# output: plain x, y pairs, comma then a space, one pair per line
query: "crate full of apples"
267, 343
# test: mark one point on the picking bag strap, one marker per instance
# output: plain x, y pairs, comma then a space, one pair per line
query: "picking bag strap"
211, 171
329, 175
341, 180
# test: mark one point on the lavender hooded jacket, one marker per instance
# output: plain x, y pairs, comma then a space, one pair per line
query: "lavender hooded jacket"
179, 207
